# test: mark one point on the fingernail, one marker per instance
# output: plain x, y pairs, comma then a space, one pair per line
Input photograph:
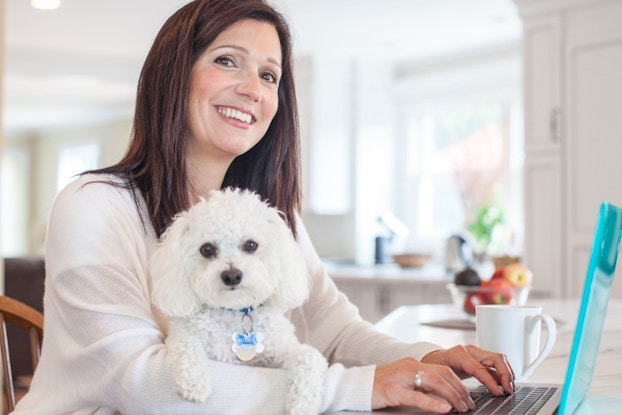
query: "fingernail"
471, 403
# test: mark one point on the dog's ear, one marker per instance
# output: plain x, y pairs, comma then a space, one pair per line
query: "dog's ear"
171, 290
293, 287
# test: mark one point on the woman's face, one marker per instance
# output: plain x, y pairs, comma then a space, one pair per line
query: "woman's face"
234, 91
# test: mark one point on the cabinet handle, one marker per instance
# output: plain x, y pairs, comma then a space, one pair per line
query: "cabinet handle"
554, 118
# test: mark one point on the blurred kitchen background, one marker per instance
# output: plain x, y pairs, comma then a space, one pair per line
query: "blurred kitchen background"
490, 120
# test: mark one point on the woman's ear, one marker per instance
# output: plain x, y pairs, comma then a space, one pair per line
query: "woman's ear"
293, 287
171, 290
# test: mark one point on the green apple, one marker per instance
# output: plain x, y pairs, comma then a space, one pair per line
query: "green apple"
518, 275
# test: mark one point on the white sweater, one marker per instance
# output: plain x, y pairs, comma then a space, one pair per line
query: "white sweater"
103, 349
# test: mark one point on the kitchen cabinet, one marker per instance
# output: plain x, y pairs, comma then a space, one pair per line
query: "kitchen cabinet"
572, 61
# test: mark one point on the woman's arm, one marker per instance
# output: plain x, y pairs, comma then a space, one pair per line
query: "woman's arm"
103, 350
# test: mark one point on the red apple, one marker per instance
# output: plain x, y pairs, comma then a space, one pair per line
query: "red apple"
499, 291
472, 300
518, 275
498, 273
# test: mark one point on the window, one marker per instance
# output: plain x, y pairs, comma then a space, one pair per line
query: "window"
462, 164
459, 171
74, 160
15, 203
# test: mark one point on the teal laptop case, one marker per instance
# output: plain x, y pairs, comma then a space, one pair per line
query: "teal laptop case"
591, 320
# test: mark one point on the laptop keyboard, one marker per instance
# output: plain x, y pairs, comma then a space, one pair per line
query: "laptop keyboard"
525, 400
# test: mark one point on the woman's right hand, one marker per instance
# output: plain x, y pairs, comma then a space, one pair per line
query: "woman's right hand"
394, 385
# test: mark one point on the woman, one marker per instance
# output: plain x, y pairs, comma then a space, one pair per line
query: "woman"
215, 107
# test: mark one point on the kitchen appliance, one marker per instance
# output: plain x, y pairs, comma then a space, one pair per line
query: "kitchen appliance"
383, 243
458, 253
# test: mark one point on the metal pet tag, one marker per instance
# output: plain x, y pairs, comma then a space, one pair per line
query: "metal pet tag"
247, 345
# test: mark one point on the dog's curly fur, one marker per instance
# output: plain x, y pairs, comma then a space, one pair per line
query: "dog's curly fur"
225, 254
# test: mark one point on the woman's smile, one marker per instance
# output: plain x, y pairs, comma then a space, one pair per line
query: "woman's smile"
232, 115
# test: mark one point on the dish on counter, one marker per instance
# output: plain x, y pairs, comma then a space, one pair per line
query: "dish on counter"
412, 260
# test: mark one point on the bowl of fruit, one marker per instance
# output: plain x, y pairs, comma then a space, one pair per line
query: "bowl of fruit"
507, 285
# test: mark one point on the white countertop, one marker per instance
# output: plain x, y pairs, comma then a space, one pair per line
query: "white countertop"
411, 323
431, 273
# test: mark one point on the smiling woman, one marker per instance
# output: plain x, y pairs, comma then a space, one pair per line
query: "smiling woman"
213, 64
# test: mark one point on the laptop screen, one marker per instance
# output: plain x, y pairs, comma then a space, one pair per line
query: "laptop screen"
596, 292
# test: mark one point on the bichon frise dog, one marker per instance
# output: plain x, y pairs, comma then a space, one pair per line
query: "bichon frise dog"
225, 272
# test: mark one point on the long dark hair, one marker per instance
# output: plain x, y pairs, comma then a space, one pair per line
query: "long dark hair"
154, 162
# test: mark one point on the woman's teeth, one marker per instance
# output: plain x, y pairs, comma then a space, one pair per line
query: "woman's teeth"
235, 114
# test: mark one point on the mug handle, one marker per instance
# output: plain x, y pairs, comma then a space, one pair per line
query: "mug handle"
550, 340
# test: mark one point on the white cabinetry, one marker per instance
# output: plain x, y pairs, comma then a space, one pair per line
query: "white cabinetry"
573, 133
377, 291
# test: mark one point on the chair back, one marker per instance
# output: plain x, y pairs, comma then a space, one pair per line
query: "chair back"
27, 319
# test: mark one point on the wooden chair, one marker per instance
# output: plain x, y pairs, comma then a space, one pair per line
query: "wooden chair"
28, 319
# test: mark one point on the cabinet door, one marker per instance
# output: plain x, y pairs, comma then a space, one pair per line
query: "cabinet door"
542, 82
363, 293
407, 293
593, 149
543, 222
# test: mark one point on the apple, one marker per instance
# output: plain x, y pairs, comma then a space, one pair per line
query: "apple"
499, 291
472, 300
518, 275
499, 271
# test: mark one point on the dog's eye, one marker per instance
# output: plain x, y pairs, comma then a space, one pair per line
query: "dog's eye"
208, 250
250, 246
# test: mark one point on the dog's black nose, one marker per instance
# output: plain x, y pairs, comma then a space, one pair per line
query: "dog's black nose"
231, 277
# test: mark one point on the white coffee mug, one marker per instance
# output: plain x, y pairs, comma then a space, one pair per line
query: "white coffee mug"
515, 332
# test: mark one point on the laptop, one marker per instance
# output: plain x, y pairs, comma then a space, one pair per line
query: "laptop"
564, 399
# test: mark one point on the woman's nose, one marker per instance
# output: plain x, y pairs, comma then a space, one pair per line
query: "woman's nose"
250, 86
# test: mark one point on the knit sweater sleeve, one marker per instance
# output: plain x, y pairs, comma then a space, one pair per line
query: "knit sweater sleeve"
331, 323
103, 351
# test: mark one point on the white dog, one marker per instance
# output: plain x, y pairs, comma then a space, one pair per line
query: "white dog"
225, 272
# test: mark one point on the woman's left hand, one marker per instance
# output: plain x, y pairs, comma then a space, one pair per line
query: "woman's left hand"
491, 369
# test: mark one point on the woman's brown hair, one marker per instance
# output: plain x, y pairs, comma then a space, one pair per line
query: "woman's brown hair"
154, 163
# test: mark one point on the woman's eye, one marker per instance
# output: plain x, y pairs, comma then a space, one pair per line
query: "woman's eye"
269, 76
208, 250
250, 246
224, 60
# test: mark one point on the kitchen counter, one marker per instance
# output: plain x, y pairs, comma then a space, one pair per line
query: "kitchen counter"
432, 272
378, 289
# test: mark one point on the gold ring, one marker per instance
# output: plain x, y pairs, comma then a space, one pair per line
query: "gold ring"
419, 380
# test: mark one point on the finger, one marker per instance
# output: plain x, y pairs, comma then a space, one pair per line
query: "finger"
442, 381
417, 399
505, 372
495, 373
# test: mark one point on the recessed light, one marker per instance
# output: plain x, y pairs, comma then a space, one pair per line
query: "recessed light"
45, 4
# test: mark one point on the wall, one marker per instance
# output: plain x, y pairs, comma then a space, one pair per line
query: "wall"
43, 149
2, 8
349, 148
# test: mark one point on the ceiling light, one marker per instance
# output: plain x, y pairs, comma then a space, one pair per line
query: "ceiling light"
45, 4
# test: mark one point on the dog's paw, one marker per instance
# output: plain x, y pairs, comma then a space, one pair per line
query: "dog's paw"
194, 391
306, 371
300, 407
